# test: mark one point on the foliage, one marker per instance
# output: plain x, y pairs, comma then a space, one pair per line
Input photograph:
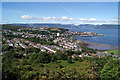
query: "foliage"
6, 47
69, 59
11, 27
46, 66
110, 70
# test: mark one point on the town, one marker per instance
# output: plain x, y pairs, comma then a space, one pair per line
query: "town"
50, 51
64, 40
61, 39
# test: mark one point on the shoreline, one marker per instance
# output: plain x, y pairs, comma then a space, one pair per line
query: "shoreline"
104, 47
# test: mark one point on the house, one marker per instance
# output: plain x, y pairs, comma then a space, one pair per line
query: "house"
8, 41
81, 55
36, 46
94, 54
50, 52
31, 43
43, 50
16, 44
74, 55
10, 44
22, 45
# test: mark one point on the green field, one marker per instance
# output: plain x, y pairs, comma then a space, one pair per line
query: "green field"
116, 51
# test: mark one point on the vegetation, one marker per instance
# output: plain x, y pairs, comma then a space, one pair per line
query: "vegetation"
11, 27
56, 30
115, 52
39, 65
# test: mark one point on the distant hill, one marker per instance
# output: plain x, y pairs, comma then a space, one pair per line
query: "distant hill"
87, 26
11, 27
46, 25
104, 26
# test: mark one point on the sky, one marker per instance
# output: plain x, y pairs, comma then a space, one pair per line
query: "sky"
60, 12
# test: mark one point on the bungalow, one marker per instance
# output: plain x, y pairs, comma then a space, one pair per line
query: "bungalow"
36, 46
31, 43
74, 55
10, 44
22, 45
50, 52
43, 50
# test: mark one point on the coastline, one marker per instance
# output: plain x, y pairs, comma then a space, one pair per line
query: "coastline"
100, 47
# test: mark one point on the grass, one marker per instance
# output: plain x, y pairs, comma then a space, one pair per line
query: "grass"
116, 51
54, 29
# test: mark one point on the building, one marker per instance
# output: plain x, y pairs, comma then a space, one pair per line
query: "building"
58, 34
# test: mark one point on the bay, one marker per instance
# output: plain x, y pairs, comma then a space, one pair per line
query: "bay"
110, 37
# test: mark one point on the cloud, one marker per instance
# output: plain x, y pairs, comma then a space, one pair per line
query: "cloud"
89, 20
26, 17
93, 20
113, 20
63, 18
29, 18
83, 19
5, 21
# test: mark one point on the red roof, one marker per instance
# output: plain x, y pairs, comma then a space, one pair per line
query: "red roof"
50, 52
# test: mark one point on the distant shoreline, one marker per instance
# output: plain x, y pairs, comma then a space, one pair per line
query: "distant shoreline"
104, 47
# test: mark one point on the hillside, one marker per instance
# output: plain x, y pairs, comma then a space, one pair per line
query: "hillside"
11, 27
107, 26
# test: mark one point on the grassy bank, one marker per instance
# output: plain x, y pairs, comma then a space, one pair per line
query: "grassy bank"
116, 51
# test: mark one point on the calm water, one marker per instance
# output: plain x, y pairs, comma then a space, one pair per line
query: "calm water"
110, 36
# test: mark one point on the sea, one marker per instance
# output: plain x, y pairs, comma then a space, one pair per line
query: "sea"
110, 38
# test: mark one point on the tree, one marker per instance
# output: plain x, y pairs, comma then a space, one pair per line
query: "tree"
28, 50
9, 69
36, 50
112, 53
43, 58
31, 49
33, 57
78, 52
6, 48
110, 70
80, 59
69, 59
19, 49
70, 52
61, 56
53, 58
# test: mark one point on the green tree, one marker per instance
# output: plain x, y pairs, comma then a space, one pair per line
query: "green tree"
80, 59
43, 58
28, 50
110, 70
61, 56
6, 47
53, 58
19, 49
33, 57
69, 59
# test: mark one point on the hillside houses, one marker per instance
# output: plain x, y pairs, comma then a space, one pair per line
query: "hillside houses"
16, 42
68, 43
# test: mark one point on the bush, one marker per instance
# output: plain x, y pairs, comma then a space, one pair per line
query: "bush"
69, 59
